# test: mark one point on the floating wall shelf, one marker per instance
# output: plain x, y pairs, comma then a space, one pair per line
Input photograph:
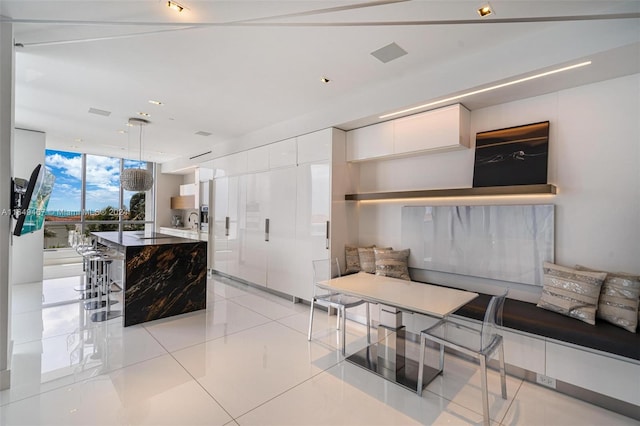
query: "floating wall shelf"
543, 189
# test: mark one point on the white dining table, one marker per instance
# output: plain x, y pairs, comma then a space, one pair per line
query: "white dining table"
407, 296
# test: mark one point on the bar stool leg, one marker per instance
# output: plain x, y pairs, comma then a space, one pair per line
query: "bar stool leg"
105, 282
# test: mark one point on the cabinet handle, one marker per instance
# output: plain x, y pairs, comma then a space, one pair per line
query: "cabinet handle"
266, 229
327, 235
226, 226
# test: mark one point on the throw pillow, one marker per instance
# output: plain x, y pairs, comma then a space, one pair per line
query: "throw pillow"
352, 259
571, 292
367, 259
619, 299
392, 263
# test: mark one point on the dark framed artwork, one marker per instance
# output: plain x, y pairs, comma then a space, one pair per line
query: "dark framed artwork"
512, 156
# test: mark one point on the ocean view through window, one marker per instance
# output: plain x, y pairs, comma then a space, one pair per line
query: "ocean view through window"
88, 197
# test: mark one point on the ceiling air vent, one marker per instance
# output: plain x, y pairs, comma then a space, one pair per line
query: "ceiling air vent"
99, 112
389, 53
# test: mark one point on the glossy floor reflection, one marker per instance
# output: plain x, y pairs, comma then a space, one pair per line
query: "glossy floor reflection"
244, 360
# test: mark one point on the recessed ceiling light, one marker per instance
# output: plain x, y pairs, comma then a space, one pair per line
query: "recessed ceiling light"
144, 114
325, 80
155, 102
77, 140
203, 133
175, 6
485, 10
487, 89
122, 131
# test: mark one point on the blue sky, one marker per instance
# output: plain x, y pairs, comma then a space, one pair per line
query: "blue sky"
103, 181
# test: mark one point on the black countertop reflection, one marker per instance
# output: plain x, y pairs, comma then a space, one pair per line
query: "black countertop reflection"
139, 238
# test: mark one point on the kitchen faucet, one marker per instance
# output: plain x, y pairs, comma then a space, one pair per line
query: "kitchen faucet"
194, 224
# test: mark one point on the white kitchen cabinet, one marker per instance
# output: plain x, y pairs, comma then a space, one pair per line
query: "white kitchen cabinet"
231, 165
313, 214
367, 143
314, 146
253, 247
299, 204
188, 189
225, 232
258, 159
283, 153
440, 129
282, 231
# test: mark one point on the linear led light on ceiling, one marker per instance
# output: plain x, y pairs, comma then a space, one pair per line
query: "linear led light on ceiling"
487, 89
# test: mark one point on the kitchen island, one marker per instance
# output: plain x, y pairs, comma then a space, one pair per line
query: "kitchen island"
162, 275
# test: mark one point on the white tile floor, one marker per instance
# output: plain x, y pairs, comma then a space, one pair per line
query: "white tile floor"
245, 360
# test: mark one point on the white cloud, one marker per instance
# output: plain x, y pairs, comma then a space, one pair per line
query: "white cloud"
70, 166
103, 172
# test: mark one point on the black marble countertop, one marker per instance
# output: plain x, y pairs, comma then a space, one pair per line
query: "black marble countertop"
139, 238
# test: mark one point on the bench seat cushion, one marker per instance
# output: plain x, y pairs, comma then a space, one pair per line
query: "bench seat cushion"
527, 317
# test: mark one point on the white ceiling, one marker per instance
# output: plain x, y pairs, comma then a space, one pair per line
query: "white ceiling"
249, 72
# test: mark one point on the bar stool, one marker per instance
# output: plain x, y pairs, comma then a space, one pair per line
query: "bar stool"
94, 274
85, 247
102, 263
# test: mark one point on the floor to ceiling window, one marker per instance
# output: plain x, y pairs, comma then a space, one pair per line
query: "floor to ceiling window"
87, 196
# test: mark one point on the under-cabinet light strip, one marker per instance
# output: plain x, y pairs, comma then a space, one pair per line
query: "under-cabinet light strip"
487, 89
493, 191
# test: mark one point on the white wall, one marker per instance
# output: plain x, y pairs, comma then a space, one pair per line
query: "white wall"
166, 186
26, 250
594, 146
7, 100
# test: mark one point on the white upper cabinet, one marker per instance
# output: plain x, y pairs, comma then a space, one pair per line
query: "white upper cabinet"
442, 129
283, 153
370, 142
231, 165
258, 159
314, 146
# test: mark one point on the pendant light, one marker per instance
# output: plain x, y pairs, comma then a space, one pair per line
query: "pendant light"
137, 179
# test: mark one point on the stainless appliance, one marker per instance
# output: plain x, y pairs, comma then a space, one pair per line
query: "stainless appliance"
204, 218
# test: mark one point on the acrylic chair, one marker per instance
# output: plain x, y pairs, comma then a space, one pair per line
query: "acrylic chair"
480, 344
323, 270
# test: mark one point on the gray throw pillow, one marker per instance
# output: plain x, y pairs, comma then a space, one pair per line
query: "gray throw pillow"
352, 259
367, 259
619, 299
392, 263
571, 292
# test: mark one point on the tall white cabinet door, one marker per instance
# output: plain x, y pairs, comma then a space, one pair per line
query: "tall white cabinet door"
220, 223
225, 233
312, 217
253, 244
233, 246
282, 230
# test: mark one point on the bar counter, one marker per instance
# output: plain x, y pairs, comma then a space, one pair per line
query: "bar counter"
162, 275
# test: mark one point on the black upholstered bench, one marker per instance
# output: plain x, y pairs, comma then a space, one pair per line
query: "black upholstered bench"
527, 317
